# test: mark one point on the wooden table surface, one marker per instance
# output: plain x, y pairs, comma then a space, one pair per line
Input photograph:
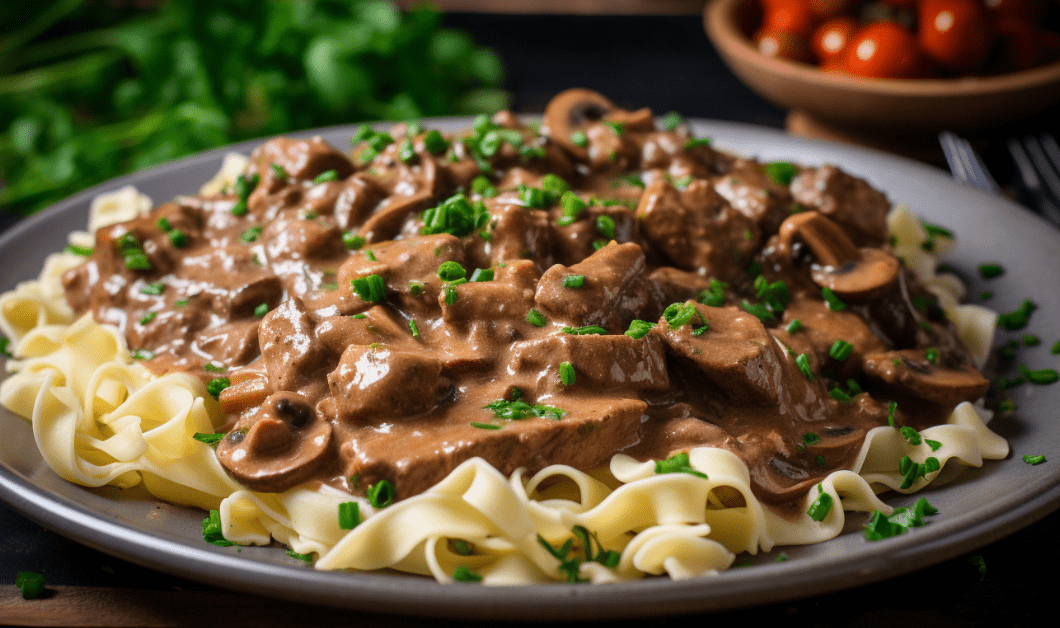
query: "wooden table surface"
664, 62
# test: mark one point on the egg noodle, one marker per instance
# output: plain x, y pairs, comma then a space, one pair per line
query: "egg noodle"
100, 417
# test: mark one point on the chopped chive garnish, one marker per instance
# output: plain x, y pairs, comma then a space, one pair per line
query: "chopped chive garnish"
163, 225
217, 385
990, 270
261, 310
892, 407
588, 330
566, 373
1030, 340
821, 506
147, 318
463, 574
911, 435
349, 515
932, 355
213, 368
434, 142
209, 439
714, 296
30, 584
841, 350
451, 271
381, 494
780, 172
181, 303
352, 241
838, 394
406, 153
680, 314
573, 281
415, 288
251, 234
759, 310
678, 463
279, 172
414, 328
451, 295
671, 120
794, 326
880, 526
810, 439
371, 288
153, 289
606, 226
481, 185
138, 260
1040, 376
573, 206
212, 531
834, 303
484, 426
638, 328
78, 250
1018, 318
1034, 460
305, 558
696, 142
579, 138
536, 318
617, 127
803, 362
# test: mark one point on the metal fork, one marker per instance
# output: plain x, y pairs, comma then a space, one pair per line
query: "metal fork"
965, 163
1038, 164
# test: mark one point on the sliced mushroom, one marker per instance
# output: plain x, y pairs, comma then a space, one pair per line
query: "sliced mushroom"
909, 371
285, 444
249, 388
572, 110
853, 274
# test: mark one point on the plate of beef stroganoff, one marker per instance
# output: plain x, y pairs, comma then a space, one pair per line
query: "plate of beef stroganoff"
981, 504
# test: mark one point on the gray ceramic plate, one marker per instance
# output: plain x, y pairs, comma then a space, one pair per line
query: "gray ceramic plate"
983, 506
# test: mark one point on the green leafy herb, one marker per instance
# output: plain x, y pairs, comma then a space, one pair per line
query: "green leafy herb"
212, 532
1034, 460
451, 271
588, 330
681, 314
567, 374
29, 584
209, 439
573, 281
834, 303
780, 172
371, 288
217, 385
1018, 318
881, 526
821, 506
803, 362
516, 410
794, 326
678, 463
714, 296
990, 270
638, 328
349, 515
536, 318
381, 494
457, 215
840, 350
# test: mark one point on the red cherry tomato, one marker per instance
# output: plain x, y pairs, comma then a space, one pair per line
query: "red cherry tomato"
954, 34
796, 16
783, 44
884, 50
830, 39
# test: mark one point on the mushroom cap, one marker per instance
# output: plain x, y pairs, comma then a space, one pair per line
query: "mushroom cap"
285, 445
909, 372
864, 279
572, 110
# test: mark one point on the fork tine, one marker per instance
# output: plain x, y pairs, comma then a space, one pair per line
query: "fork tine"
1032, 180
1049, 175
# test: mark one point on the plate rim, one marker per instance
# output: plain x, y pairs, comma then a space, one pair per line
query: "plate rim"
732, 589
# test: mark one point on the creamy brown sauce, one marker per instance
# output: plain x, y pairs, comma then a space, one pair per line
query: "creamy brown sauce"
335, 383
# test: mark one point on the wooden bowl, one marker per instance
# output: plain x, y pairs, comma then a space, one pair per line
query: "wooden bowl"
907, 105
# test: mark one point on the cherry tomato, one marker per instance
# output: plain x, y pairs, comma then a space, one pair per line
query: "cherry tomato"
1019, 44
796, 16
830, 39
884, 50
954, 34
783, 44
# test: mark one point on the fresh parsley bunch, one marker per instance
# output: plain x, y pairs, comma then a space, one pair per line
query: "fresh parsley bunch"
90, 89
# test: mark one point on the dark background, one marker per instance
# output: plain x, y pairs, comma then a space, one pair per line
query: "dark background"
666, 63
